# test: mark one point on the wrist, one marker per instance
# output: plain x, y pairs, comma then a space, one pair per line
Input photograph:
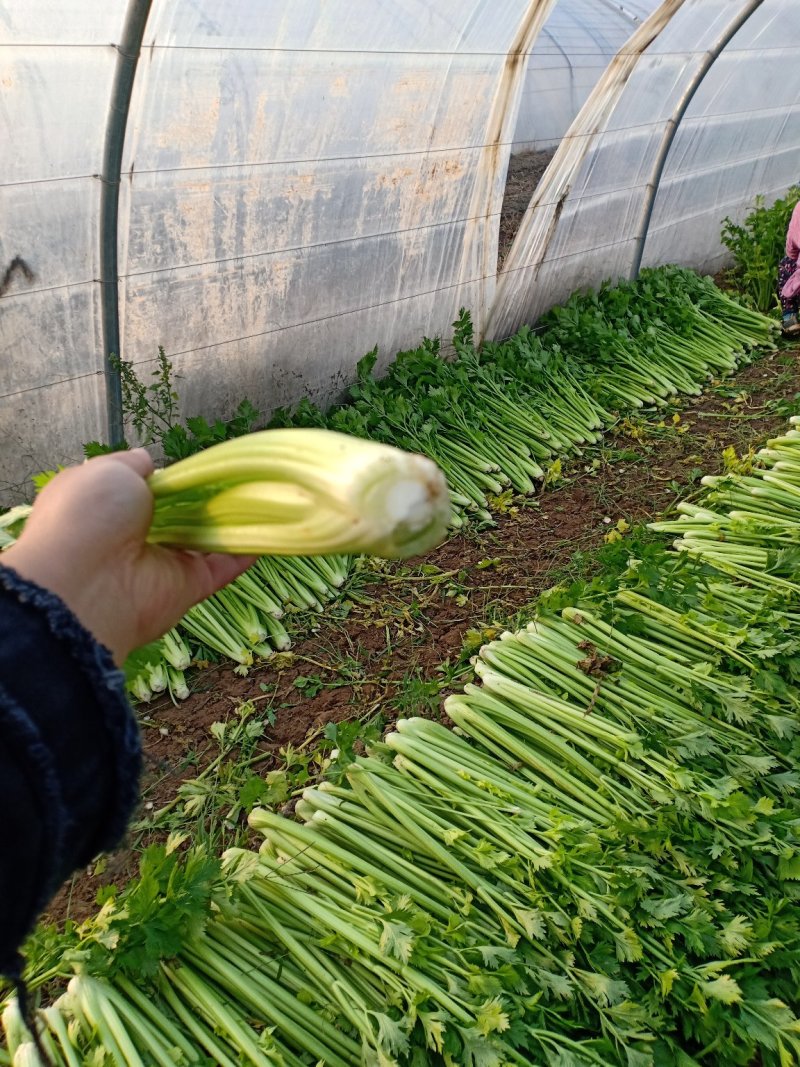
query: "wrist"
83, 594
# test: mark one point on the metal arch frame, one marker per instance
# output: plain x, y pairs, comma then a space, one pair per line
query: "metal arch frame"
622, 10
128, 51
651, 190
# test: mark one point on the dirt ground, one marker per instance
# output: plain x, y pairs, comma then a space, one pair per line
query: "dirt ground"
399, 638
524, 173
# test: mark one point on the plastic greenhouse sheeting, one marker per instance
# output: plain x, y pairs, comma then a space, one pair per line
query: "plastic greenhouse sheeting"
56, 78
300, 182
577, 43
304, 186
740, 136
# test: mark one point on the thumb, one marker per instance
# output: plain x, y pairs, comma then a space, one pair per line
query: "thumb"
137, 459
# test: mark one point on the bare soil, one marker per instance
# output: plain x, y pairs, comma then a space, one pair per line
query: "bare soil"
525, 171
400, 637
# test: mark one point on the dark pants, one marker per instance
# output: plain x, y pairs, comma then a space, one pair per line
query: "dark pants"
785, 271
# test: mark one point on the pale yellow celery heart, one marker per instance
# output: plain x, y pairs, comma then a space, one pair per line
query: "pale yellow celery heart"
260, 502
301, 492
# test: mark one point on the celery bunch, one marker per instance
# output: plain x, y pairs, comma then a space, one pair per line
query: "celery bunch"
301, 492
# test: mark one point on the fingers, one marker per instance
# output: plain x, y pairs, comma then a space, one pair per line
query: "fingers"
223, 569
207, 573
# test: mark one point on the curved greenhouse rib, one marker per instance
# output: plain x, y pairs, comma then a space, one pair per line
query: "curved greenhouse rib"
739, 138
674, 122
518, 298
127, 58
576, 45
479, 255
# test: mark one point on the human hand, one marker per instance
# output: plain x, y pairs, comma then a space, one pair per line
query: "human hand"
85, 540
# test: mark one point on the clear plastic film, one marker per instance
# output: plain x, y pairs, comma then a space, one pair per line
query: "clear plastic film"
306, 184
301, 182
57, 67
724, 107
577, 43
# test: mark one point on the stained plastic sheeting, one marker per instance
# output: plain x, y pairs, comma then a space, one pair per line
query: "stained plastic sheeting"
299, 182
53, 106
577, 43
739, 137
303, 181
302, 185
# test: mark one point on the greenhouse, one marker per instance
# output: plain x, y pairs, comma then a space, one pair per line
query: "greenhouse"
240, 188
405, 669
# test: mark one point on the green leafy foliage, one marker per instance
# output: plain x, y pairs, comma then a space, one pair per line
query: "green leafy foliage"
154, 917
757, 246
495, 418
598, 865
96, 448
181, 441
153, 410
345, 741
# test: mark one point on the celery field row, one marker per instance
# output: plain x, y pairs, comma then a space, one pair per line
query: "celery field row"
493, 418
597, 864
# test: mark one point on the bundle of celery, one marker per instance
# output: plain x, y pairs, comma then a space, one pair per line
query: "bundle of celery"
493, 415
490, 898
307, 491
242, 622
486, 428
311, 492
748, 525
490, 418
158, 667
665, 333
301, 492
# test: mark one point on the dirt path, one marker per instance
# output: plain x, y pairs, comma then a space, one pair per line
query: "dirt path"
400, 638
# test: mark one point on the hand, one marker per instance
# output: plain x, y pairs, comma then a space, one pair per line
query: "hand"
85, 540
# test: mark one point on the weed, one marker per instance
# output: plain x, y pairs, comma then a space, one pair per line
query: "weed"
643, 429
153, 410
417, 695
505, 503
782, 406
344, 741
554, 475
734, 464
311, 685
209, 806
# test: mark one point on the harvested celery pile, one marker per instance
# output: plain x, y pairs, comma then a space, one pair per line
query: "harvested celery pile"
495, 420
597, 866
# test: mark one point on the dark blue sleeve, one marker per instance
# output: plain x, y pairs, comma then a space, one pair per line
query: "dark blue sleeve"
70, 755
